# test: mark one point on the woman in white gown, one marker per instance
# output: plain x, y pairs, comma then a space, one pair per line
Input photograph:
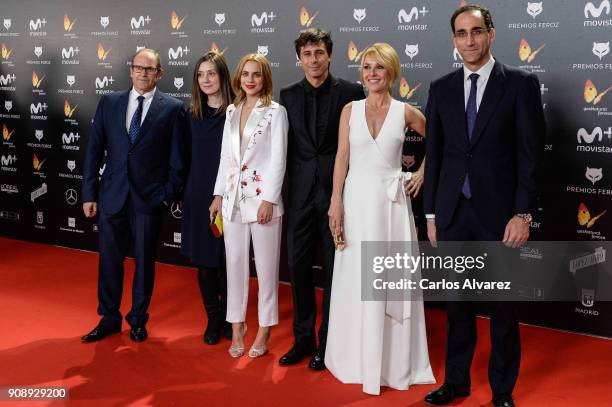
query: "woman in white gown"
369, 203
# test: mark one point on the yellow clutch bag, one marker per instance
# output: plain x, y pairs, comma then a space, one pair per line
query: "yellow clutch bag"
217, 226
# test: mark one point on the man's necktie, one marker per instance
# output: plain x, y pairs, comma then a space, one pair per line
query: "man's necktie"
135, 122
470, 115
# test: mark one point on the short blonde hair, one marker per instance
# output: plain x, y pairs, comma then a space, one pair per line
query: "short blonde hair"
387, 57
266, 73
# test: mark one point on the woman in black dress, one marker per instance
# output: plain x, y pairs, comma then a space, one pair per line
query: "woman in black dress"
211, 93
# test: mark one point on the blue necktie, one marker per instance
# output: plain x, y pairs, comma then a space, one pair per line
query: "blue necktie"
470, 115
135, 122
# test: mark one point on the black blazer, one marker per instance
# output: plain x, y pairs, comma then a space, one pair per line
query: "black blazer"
151, 170
309, 159
501, 158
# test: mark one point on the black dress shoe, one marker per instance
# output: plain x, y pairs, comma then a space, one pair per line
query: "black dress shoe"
445, 394
212, 334
138, 333
295, 355
317, 362
100, 332
505, 401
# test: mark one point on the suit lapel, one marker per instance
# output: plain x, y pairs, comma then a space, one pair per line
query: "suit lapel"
235, 133
457, 109
156, 106
334, 97
493, 93
122, 106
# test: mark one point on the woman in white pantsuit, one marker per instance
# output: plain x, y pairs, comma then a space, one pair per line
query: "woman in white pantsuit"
248, 194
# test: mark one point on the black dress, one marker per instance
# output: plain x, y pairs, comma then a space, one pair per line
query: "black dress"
198, 242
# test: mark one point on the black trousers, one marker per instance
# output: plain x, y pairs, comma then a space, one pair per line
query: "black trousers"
117, 231
307, 227
505, 355
213, 288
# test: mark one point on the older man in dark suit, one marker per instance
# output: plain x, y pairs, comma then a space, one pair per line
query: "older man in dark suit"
485, 129
141, 131
313, 106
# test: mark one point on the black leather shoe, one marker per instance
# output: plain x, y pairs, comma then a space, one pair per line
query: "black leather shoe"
227, 330
212, 334
445, 394
295, 355
317, 362
505, 401
138, 333
100, 332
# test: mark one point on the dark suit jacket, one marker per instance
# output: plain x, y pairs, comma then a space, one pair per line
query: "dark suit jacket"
151, 170
309, 159
501, 158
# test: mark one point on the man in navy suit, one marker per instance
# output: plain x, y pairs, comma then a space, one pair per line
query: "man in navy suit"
485, 129
141, 131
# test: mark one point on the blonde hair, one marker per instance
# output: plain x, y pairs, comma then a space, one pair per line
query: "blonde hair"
387, 57
266, 73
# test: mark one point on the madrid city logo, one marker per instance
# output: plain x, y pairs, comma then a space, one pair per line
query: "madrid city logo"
306, 18
405, 90
526, 54
601, 49
175, 21
591, 94
68, 24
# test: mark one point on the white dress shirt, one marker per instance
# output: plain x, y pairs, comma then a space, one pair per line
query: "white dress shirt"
133, 105
481, 82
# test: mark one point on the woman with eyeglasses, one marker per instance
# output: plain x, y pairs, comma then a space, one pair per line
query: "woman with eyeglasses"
248, 194
211, 93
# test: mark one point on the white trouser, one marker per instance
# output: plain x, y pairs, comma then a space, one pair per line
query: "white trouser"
266, 247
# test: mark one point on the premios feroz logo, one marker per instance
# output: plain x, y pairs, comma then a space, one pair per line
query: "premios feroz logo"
8, 106
71, 81
104, 23
39, 135
359, 15
412, 51
534, 11
219, 18
7, 23
38, 53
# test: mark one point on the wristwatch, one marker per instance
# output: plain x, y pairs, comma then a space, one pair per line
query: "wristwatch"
526, 217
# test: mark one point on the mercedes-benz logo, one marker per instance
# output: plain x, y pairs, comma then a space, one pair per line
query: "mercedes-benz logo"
71, 196
176, 211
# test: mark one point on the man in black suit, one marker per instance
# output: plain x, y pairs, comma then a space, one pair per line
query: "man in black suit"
485, 129
313, 106
141, 131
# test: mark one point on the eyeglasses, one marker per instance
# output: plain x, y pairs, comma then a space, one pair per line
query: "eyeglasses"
475, 33
146, 69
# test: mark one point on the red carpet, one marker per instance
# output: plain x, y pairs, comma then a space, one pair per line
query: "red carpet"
48, 301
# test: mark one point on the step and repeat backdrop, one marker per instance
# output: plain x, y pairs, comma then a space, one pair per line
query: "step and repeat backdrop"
58, 58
